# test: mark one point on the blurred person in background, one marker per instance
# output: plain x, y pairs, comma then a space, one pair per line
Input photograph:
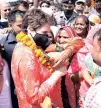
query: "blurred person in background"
5, 93
79, 6
97, 8
5, 9
56, 7
22, 6
44, 4
15, 20
67, 16
31, 4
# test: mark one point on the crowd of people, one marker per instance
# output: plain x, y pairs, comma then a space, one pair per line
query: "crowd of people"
50, 53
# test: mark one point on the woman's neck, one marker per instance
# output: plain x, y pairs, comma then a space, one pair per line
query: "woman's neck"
83, 36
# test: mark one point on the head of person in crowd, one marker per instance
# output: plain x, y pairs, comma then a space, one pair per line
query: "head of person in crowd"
5, 9
96, 51
31, 3
82, 26
15, 20
38, 27
47, 11
88, 3
97, 5
45, 4
65, 34
79, 6
51, 37
68, 6
55, 7
22, 6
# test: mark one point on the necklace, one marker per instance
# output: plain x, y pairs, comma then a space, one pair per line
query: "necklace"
43, 58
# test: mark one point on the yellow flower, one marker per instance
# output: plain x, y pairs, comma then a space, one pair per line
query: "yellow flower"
44, 61
29, 43
25, 38
33, 46
38, 52
20, 35
41, 59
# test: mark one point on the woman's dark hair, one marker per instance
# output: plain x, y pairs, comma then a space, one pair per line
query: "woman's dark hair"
45, 1
98, 33
84, 18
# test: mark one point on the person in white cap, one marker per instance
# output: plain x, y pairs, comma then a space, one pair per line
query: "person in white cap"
79, 6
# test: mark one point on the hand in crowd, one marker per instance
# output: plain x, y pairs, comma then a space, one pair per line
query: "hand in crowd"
47, 103
59, 59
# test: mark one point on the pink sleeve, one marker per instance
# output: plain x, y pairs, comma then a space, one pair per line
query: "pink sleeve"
29, 71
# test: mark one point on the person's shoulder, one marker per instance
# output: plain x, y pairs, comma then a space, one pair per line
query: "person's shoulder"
3, 38
21, 49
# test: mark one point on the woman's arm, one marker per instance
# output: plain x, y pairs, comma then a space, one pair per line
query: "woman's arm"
30, 74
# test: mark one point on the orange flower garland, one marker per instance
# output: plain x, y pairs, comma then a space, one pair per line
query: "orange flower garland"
44, 59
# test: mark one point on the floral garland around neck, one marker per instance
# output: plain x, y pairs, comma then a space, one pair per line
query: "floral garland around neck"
43, 58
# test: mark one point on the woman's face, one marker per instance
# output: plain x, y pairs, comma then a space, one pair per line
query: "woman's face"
51, 37
80, 27
63, 37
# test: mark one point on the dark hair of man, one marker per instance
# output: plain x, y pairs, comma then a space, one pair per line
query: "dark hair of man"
22, 3
35, 18
47, 2
13, 14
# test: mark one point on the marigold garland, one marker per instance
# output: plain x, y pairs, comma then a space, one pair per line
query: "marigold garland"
25, 39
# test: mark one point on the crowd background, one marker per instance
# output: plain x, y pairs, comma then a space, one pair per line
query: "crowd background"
50, 54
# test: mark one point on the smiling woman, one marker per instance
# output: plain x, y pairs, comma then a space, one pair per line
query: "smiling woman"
82, 26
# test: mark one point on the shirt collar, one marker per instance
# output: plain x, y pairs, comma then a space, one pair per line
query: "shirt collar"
11, 37
62, 15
